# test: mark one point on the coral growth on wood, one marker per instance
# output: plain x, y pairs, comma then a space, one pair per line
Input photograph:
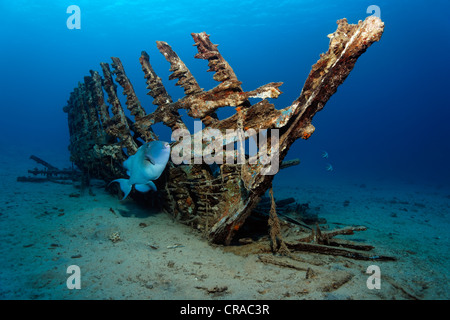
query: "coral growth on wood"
214, 199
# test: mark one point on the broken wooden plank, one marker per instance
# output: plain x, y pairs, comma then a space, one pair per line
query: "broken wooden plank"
283, 262
44, 163
335, 251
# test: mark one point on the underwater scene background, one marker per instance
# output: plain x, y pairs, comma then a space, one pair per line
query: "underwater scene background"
385, 132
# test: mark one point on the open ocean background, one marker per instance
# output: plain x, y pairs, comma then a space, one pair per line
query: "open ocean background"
389, 120
386, 131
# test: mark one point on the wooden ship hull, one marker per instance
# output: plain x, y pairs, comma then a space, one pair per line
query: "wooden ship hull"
214, 199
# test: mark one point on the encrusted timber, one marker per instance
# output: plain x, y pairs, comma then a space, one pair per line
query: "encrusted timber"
203, 104
164, 112
346, 46
93, 132
84, 127
249, 182
92, 126
199, 104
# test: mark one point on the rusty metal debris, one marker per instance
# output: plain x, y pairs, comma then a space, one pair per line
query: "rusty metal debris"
215, 201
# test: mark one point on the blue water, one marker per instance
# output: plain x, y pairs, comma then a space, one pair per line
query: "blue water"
387, 124
388, 120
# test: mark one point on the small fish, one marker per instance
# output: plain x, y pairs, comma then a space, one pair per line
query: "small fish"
146, 165
324, 154
329, 167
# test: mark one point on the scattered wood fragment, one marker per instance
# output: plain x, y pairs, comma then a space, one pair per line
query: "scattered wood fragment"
44, 163
282, 262
337, 282
50, 173
349, 244
215, 291
289, 163
277, 242
319, 241
336, 251
400, 287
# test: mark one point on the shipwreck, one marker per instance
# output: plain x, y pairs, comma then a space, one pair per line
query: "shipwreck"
217, 200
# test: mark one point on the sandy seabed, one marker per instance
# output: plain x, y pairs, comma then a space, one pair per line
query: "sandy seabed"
44, 229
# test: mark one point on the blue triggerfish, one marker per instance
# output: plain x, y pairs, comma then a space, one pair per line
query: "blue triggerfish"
145, 165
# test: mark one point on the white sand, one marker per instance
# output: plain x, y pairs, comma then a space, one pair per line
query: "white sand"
42, 228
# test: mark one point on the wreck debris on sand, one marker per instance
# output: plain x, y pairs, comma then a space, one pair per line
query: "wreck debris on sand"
217, 202
50, 173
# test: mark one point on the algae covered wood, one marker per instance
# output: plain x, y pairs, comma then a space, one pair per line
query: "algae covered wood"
215, 198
